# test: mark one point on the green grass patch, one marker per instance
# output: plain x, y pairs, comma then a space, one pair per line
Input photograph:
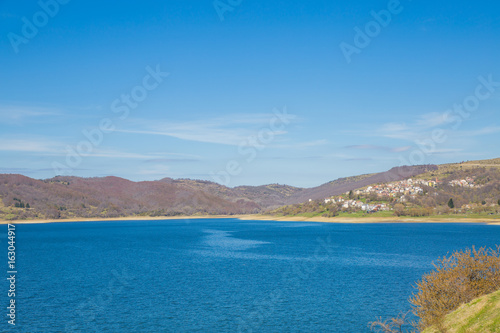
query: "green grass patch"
481, 315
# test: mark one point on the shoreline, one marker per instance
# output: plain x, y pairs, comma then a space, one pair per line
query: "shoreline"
123, 218
258, 217
367, 220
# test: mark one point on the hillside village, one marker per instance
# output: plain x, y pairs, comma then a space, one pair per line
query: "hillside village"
402, 190
460, 188
450, 190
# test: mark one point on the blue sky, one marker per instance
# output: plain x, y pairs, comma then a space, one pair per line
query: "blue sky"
246, 92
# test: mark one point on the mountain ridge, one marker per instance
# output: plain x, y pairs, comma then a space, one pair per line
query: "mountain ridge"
23, 197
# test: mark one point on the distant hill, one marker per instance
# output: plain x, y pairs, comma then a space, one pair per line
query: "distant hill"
468, 189
72, 197
445, 170
66, 197
343, 185
481, 315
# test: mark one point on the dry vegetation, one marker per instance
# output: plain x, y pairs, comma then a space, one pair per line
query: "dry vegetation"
444, 170
457, 279
72, 197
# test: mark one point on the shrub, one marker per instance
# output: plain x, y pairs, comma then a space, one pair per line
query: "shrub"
399, 210
393, 325
451, 204
457, 279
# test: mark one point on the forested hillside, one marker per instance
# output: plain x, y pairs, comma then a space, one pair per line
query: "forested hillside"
22, 197
66, 197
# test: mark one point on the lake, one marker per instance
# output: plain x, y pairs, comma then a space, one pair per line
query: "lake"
222, 275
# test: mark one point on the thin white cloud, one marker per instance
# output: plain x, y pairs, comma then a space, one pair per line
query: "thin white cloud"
421, 132
396, 131
19, 114
117, 154
400, 149
54, 148
395, 127
155, 170
483, 131
423, 126
197, 133
34, 146
418, 129
384, 148
315, 143
433, 119
445, 151
109, 153
301, 145
229, 130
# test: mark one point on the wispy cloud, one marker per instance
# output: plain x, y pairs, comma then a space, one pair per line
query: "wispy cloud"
431, 133
359, 159
229, 130
155, 170
175, 159
483, 131
445, 151
400, 131
423, 126
34, 146
383, 148
17, 170
196, 133
432, 119
55, 148
302, 145
19, 114
315, 143
117, 154
24, 171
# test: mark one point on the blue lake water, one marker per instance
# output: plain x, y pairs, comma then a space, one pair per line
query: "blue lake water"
222, 275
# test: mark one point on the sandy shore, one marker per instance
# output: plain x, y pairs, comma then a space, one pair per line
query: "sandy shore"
129, 218
370, 219
272, 218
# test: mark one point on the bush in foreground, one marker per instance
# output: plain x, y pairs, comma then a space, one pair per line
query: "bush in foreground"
457, 279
